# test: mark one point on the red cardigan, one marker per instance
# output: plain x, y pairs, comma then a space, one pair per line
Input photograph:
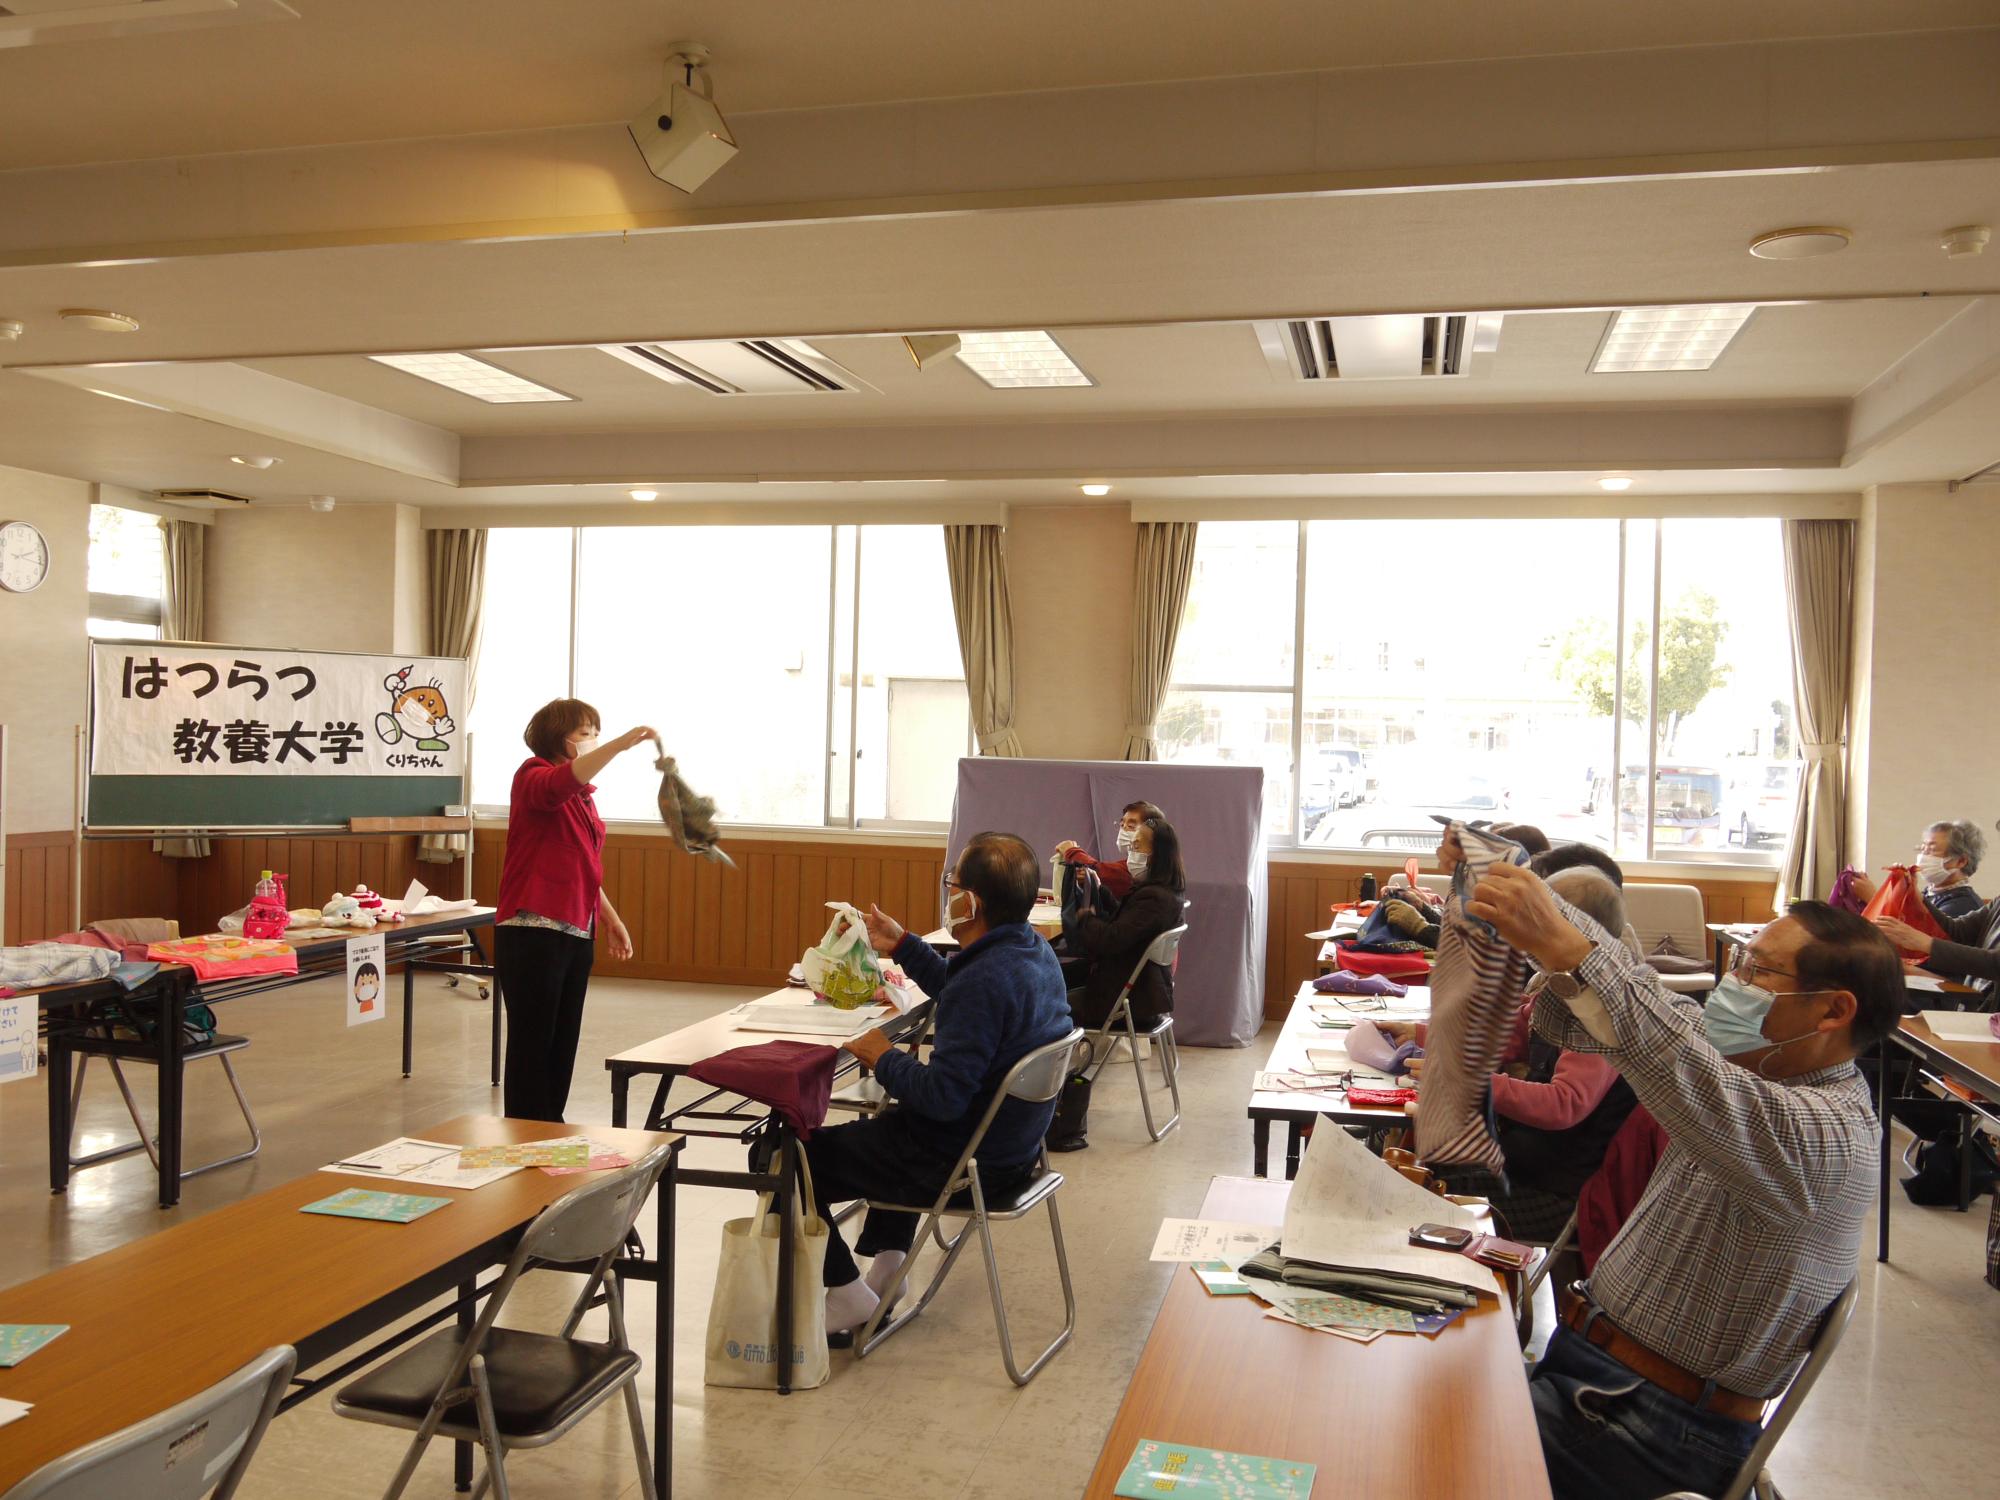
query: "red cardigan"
555, 846
1115, 873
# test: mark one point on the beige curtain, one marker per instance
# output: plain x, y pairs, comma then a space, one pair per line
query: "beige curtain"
182, 607
1819, 584
977, 558
457, 561
1163, 565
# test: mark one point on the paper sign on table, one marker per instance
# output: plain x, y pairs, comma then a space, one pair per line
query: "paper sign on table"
389, 1208
20, 1052
19, 1340
1211, 1239
1158, 1468
367, 978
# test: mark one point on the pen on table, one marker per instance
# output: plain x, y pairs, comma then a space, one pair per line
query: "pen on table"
359, 1166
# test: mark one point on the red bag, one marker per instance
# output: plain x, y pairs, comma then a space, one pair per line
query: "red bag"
1897, 897
1389, 965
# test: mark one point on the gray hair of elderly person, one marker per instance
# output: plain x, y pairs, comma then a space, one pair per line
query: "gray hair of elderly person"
1592, 893
1962, 840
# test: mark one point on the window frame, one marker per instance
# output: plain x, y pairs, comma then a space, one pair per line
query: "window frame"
129, 609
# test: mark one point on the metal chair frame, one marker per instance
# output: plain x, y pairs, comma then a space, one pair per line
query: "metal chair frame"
1119, 1027
587, 1226
1036, 1079
174, 1454
219, 1048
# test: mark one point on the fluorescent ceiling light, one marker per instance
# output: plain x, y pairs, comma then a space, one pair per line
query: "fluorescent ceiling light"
1097, 489
645, 497
470, 377
1015, 361
1614, 483
1667, 338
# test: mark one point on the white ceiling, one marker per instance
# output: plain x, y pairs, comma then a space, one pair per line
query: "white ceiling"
349, 70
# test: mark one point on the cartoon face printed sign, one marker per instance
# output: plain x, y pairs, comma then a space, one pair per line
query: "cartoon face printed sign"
418, 712
367, 961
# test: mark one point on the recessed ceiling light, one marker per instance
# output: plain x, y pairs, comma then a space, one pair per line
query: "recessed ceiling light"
1668, 338
254, 460
1800, 244
470, 377
100, 319
1096, 489
1016, 361
645, 497
1614, 482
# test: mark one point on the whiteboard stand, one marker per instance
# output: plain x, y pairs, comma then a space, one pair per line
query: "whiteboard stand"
76, 861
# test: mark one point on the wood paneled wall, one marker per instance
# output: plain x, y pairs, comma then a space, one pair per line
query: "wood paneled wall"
1302, 893
39, 871
694, 920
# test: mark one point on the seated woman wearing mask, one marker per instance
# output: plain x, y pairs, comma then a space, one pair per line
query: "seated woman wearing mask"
1115, 874
1948, 856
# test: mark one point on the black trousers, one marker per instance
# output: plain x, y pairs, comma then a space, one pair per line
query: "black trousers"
543, 975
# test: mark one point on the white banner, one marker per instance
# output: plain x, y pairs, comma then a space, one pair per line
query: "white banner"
172, 710
367, 979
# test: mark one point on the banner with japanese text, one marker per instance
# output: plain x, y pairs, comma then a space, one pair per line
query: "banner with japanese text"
173, 710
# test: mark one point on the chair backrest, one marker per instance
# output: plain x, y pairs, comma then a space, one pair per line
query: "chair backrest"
1036, 1078
1162, 950
593, 1221
1666, 910
203, 1444
1779, 1414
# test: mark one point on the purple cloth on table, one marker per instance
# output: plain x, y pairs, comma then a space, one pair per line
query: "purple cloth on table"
794, 1078
1369, 1045
1218, 812
1341, 982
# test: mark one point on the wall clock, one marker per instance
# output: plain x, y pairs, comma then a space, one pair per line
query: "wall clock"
24, 557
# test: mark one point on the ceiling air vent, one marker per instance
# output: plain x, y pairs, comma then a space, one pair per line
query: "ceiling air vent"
739, 367
201, 497
1402, 346
30, 23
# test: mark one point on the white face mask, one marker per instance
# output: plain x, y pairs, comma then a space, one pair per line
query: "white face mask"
954, 918
1138, 864
1127, 837
1932, 868
585, 743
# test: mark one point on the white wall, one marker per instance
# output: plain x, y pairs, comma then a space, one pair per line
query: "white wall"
1927, 716
43, 653
1069, 572
347, 580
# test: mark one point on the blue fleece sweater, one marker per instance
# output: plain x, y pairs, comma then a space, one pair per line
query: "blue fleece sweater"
996, 1002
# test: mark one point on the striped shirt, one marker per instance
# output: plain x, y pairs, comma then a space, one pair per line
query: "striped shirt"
1752, 1223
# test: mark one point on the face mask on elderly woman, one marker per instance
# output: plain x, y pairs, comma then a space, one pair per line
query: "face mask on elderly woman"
1932, 869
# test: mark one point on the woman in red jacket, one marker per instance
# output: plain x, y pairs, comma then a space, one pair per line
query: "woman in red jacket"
551, 902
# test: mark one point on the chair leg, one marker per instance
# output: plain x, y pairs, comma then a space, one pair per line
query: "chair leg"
1014, 1372
1173, 1087
639, 1449
871, 1334
144, 1143
489, 1428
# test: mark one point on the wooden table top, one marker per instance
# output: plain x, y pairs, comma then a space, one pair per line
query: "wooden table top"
679, 1050
1404, 1416
1979, 1059
157, 1320
1288, 1054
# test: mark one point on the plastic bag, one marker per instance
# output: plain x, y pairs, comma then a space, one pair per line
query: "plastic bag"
843, 969
1897, 897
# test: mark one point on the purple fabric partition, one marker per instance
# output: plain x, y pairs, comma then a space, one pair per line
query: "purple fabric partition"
1219, 814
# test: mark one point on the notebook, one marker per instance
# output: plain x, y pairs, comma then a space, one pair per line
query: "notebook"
19, 1340
1158, 1468
361, 1203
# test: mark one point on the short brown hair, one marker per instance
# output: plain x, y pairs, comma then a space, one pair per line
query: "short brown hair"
554, 722
1145, 810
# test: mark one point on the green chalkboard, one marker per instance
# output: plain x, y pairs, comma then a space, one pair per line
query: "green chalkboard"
218, 802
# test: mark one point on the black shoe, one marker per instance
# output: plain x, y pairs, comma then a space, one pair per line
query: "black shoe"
1067, 1143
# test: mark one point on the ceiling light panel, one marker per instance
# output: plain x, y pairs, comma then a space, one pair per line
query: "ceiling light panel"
1017, 361
471, 377
1667, 338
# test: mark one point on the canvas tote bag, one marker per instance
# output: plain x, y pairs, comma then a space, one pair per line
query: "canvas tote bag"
743, 1336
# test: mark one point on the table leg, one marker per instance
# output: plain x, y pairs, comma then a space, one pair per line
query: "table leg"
1260, 1148
663, 1332
497, 1002
1882, 1055
60, 1123
174, 997
409, 1012
621, 1089
786, 1330
1295, 1134
461, 1452
1720, 949
1968, 1133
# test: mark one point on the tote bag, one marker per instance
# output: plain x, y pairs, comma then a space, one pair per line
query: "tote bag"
744, 1341
1897, 897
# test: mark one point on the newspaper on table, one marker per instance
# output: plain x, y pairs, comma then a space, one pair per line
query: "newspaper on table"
427, 1163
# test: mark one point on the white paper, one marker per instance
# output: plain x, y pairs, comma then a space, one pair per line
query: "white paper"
13, 1411
1958, 1025
427, 1163
1212, 1239
20, 1052
1930, 982
807, 1020
367, 978
1350, 1208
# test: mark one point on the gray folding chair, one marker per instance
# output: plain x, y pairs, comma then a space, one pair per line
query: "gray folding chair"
218, 1047
506, 1388
1119, 1028
1036, 1079
203, 1444
1524, 1317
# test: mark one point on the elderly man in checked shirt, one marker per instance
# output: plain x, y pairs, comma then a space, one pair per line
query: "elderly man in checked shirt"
1703, 1306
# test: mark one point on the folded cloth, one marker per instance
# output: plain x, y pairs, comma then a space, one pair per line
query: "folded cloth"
37, 964
1381, 1098
1410, 921
1393, 1288
219, 956
1476, 991
689, 818
1372, 1047
131, 975
793, 1078
1341, 982
1390, 965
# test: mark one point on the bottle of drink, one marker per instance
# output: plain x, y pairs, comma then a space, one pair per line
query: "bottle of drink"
1368, 887
267, 887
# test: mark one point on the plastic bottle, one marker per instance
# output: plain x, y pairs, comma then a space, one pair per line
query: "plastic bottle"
266, 886
1368, 887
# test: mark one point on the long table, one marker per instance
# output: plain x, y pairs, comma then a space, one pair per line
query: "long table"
1974, 1066
164, 1317
1403, 1418
170, 992
1298, 1109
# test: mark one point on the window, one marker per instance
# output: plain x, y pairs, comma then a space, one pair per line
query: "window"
127, 572
1472, 669
805, 676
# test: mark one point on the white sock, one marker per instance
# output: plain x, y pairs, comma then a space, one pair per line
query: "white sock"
883, 1270
849, 1305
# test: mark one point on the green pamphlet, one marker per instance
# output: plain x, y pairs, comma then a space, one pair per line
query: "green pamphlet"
1159, 1468
19, 1340
361, 1203
1219, 1278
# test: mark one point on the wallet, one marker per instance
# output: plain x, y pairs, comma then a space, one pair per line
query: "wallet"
1504, 1255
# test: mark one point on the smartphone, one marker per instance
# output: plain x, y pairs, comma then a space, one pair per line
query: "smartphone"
1440, 1237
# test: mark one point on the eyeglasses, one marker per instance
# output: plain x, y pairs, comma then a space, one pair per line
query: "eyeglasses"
1746, 968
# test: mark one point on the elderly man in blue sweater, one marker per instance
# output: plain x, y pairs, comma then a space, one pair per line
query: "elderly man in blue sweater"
997, 999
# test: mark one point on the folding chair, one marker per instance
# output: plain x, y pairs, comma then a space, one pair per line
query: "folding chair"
1753, 1481
178, 1453
1119, 1027
506, 1388
218, 1046
1524, 1317
1036, 1079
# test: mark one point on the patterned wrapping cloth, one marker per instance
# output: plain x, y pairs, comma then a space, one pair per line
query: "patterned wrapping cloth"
1341, 982
38, 964
220, 956
689, 818
1476, 988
